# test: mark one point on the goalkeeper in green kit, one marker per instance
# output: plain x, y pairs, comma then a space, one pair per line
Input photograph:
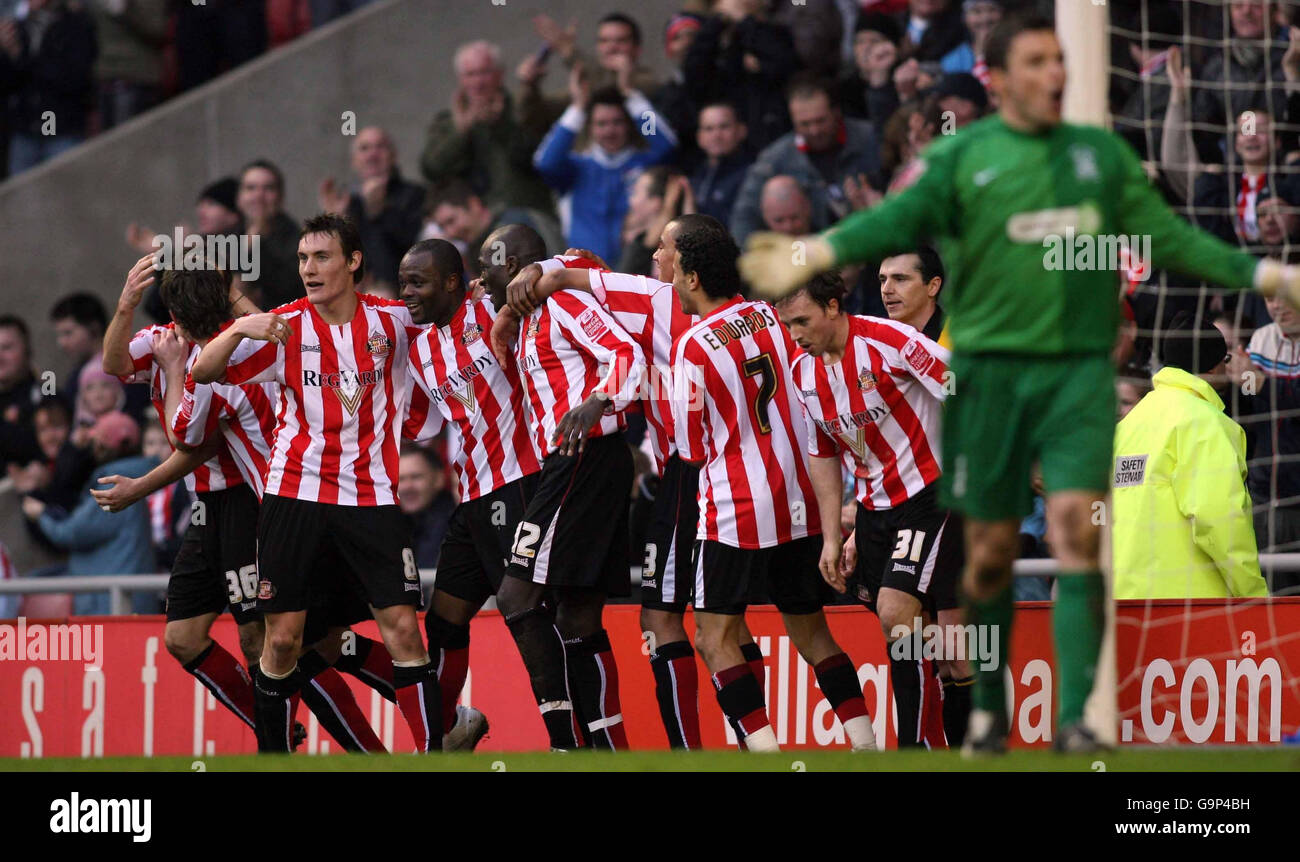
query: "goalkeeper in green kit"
1031, 337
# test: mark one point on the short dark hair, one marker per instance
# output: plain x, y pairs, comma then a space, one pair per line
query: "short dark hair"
930, 265
13, 321
81, 307
620, 18
805, 85
821, 289
998, 44
707, 249
54, 404
446, 258
720, 103
455, 192
608, 96
345, 230
198, 299
266, 166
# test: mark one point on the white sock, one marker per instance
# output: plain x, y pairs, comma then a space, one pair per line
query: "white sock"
763, 739
861, 735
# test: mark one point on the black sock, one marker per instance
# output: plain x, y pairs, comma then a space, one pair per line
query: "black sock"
681, 720
375, 671
420, 700
543, 653
310, 664
905, 675
273, 710
956, 709
593, 683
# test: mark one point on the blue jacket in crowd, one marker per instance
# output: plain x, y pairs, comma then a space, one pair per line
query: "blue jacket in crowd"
599, 184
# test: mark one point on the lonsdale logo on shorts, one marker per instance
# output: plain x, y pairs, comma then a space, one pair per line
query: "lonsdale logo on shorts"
347, 385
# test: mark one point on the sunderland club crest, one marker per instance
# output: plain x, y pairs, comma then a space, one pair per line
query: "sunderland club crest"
473, 332
866, 381
378, 344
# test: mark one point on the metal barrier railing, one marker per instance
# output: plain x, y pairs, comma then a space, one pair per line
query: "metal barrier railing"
120, 587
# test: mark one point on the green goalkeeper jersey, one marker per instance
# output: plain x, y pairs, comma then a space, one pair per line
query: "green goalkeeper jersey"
1028, 224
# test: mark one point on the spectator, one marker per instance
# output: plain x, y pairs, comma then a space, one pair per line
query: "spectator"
909, 289
261, 205
907, 133
961, 100
932, 29
785, 207
817, 29
1227, 204
740, 58
1137, 117
716, 181
463, 217
616, 63
426, 499
659, 195
216, 213
387, 210
46, 63
57, 479
597, 180
169, 507
19, 394
479, 140
1247, 72
212, 38
824, 151
867, 90
1128, 392
129, 68
79, 322
675, 98
1274, 482
98, 393
980, 17
1182, 526
100, 543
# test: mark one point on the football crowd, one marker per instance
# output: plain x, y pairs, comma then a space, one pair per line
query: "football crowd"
545, 378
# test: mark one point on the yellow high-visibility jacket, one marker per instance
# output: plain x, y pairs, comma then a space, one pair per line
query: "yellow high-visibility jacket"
1182, 526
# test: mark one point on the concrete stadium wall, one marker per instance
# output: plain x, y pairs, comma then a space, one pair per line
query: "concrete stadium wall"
62, 225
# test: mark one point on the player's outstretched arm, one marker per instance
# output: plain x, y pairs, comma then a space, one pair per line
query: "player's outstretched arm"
122, 491
210, 366
117, 337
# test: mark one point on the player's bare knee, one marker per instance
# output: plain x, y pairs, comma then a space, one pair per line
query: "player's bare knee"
283, 646
811, 636
666, 626
183, 643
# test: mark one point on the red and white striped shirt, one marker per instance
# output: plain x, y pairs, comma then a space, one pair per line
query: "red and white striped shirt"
651, 314
741, 418
342, 402
218, 472
245, 416
483, 404
879, 406
569, 348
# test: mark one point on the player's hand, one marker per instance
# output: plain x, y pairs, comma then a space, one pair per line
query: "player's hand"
829, 564
121, 492
586, 254
775, 264
521, 292
505, 330
33, 508
170, 349
476, 290
137, 282
571, 434
264, 327
849, 559
1281, 280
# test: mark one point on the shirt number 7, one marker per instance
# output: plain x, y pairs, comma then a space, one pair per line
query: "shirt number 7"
761, 366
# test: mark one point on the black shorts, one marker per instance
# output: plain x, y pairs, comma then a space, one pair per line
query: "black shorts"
667, 579
474, 551
216, 565
916, 547
575, 530
298, 539
728, 579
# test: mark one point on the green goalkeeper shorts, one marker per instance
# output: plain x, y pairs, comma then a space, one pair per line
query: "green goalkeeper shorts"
1010, 411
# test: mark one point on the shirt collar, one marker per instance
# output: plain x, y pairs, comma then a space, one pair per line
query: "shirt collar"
1180, 379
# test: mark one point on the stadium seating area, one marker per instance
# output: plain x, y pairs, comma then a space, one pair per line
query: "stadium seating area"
774, 116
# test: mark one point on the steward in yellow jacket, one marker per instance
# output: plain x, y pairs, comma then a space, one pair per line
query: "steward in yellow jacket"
1182, 520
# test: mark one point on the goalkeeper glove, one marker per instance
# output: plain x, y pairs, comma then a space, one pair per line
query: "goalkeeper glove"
1277, 279
775, 264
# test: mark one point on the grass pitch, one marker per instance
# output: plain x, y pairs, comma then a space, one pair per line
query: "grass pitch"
1234, 759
